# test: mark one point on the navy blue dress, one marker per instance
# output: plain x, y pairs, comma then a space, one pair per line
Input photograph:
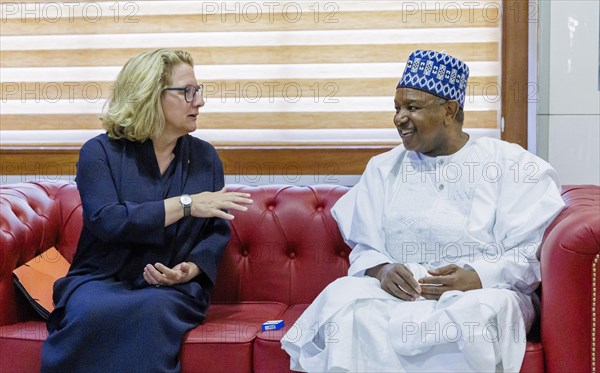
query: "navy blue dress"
106, 317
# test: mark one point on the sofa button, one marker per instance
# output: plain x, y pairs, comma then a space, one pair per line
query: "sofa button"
320, 208
245, 253
343, 254
271, 207
292, 255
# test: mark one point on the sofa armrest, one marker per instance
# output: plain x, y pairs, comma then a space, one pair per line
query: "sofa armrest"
33, 218
570, 264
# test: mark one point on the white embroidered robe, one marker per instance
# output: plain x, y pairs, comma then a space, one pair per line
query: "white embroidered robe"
484, 208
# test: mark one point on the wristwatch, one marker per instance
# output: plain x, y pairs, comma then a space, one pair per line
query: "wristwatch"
186, 202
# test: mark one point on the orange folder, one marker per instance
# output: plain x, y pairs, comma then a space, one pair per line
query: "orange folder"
36, 279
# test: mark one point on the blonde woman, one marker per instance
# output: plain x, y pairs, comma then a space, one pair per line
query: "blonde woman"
154, 227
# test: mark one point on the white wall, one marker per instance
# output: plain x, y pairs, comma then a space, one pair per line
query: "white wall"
568, 115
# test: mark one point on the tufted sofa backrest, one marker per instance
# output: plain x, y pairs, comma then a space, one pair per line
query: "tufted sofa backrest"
285, 248
33, 218
37, 216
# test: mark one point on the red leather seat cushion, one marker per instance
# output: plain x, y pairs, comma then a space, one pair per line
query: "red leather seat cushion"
534, 358
20, 340
223, 343
268, 355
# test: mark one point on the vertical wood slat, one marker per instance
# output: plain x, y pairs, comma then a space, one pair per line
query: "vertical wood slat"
516, 91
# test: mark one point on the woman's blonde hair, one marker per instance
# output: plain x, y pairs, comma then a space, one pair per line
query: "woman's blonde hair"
134, 107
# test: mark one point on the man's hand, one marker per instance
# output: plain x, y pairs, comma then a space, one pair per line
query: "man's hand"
161, 275
450, 277
397, 280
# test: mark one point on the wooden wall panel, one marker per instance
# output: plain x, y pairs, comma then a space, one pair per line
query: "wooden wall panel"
264, 161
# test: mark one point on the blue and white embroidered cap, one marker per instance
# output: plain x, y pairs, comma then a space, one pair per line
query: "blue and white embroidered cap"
437, 73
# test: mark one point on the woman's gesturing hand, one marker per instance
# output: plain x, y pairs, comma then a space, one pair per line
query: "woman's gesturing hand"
211, 204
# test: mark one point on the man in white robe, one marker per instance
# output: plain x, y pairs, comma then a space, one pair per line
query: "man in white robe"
444, 231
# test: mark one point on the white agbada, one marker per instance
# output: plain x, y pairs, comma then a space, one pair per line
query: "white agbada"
484, 208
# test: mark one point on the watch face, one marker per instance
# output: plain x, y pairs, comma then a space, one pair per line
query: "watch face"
186, 200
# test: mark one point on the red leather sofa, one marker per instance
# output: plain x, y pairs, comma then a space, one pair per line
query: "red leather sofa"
282, 253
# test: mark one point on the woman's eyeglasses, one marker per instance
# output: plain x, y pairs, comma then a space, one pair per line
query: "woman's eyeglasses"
189, 92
